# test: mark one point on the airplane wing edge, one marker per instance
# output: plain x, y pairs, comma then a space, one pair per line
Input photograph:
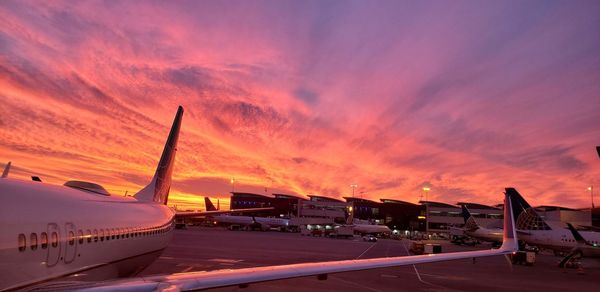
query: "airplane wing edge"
222, 278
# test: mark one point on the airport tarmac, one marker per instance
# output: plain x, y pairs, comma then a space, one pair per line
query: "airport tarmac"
205, 249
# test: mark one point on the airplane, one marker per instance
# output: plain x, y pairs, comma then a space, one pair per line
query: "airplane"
362, 227
59, 237
583, 248
248, 222
534, 230
474, 230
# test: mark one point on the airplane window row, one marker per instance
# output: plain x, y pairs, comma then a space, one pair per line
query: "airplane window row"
89, 236
573, 240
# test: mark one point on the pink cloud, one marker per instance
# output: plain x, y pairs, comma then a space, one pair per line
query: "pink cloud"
307, 98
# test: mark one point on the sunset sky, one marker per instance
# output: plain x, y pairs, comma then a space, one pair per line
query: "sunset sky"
307, 97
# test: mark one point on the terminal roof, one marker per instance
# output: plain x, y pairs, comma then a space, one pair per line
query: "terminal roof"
437, 204
323, 198
286, 196
477, 206
250, 195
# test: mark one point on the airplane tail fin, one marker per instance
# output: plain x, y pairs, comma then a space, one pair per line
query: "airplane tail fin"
509, 237
6, 170
158, 189
209, 205
526, 217
470, 222
598, 150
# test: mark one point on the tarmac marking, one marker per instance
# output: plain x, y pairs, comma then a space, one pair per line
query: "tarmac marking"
419, 275
187, 269
366, 250
355, 284
225, 261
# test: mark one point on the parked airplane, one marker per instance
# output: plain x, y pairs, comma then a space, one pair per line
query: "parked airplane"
474, 230
362, 227
80, 232
534, 230
247, 222
584, 248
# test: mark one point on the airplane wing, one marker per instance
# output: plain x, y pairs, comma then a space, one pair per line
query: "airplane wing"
242, 277
588, 227
218, 212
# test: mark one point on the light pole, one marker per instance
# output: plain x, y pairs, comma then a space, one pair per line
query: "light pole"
426, 190
591, 189
353, 186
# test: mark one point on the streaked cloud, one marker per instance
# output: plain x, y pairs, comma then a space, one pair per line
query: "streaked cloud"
307, 97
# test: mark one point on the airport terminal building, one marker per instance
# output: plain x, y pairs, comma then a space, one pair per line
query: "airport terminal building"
425, 217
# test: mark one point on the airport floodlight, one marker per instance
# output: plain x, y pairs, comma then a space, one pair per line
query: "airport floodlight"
353, 186
426, 189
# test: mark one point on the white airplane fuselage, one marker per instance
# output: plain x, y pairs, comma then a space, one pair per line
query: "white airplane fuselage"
556, 239
486, 234
51, 232
248, 220
371, 229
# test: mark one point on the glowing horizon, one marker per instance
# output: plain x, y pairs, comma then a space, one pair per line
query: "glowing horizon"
307, 98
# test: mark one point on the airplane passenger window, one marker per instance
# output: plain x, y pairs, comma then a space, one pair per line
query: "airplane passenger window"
112, 236
80, 236
88, 234
44, 240
33, 240
54, 238
107, 234
22, 242
95, 235
101, 234
71, 238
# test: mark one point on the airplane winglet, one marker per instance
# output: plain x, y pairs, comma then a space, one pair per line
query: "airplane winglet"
509, 238
6, 170
158, 189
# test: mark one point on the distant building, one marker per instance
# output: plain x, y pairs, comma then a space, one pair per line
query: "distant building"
427, 216
283, 205
596, 217
557, 217
402, 215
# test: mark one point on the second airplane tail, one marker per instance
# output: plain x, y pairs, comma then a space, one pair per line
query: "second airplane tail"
470, 222
525, 216
209, 205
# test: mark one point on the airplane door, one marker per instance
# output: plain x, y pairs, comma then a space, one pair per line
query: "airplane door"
53, 244
70, 243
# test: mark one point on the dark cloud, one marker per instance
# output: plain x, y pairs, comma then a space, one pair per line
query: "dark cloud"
307, 96
547, 158
299, 160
